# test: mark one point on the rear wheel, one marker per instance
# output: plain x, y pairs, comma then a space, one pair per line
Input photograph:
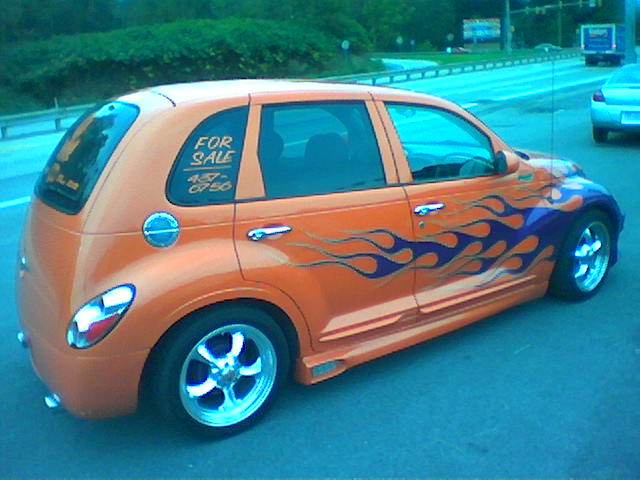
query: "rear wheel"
600, 134
219, 372
583, 262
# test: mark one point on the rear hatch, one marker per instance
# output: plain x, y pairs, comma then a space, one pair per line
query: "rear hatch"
622, 95
52, 239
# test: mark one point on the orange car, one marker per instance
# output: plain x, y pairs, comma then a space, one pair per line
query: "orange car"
193, 244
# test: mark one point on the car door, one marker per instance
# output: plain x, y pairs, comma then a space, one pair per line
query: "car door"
474, 226
321, 217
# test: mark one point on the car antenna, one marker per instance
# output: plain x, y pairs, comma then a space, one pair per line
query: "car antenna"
553, 117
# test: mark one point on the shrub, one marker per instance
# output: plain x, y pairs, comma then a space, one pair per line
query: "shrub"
121, 60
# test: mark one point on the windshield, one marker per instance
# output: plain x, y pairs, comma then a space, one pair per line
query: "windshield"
79, 159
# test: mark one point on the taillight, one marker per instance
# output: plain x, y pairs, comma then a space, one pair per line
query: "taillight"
598, 96
96, 318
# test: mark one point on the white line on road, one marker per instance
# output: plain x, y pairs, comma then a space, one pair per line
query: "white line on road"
549, 89
15, 202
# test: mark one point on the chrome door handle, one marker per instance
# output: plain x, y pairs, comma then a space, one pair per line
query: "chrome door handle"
258, 234
422, 210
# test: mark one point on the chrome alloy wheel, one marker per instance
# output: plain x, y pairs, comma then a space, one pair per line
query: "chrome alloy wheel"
591, 256
228, 375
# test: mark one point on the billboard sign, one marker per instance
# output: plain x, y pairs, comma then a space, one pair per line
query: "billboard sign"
480, 29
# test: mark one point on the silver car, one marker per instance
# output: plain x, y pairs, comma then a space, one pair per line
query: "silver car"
616, 106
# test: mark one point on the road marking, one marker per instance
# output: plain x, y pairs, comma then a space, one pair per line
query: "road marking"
15, 202
548, 88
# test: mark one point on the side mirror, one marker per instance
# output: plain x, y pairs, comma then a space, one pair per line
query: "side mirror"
505, 162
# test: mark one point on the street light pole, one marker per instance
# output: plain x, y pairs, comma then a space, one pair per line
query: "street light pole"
560, 23
507, 27
630, 31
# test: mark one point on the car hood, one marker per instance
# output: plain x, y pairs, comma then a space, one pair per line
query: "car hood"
551, 162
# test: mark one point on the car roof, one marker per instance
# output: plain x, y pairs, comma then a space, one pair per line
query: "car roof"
210, 90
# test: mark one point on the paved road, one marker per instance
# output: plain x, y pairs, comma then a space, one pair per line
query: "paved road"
546, 390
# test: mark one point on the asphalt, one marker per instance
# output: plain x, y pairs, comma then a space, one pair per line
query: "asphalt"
545, 390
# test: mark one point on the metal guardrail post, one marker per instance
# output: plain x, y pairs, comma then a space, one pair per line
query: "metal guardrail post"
437, 71
54, 118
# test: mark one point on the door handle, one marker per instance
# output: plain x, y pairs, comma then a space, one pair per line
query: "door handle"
422, 210
258, 234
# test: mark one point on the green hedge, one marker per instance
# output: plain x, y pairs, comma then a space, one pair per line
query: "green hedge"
117, 61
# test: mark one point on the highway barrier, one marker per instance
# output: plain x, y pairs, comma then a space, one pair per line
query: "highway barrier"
396, 76
58, 119
43, 121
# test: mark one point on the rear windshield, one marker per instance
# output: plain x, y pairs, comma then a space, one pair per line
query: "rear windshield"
626, 75
80, 157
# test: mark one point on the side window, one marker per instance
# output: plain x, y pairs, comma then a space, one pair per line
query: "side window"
440, 145
206, 169
315, 148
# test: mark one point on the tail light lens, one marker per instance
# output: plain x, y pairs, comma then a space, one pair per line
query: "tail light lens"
598, 96
96, 318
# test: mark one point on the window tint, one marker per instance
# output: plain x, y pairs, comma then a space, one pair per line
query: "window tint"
79, 159
206, 169
317, 148
440, 145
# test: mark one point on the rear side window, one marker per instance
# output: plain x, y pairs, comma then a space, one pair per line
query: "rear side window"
316, 148
206, 169
79, 159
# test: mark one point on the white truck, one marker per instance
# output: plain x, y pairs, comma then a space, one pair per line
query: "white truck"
602, 43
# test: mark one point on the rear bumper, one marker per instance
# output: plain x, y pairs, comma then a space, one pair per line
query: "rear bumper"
611, 117
603, 56
88, 387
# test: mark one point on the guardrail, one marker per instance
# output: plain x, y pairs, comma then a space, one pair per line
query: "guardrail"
45, 121
48, 121
395, 76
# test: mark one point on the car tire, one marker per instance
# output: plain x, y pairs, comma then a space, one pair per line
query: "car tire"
583, 262
600, 134
219, 370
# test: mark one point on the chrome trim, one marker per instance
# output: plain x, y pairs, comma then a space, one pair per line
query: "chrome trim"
23, 264
53, 401
258, 234
591, 256
23, 339
222, 389
161, 229
422, 210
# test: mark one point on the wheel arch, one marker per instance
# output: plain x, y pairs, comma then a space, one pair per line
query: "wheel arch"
282, 319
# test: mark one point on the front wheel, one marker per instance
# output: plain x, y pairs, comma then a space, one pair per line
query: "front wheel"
220, 371
583, 262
